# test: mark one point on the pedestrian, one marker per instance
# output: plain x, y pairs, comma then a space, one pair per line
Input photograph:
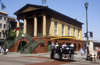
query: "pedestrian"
64, 46
84, 51
52, 50
60, 51
81, 51
72, 45
56, 45
98, 52
7, 50
0, 49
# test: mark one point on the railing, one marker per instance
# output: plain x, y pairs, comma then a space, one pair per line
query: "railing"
40, 35
26, 45
19, 36
36, 43
12, 42
48, 35
28, 36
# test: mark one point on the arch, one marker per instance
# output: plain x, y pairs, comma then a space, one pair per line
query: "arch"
21, 44
78, 46
74, 46
68, 43
49, 45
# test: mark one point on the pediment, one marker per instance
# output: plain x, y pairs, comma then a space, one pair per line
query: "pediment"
29, 9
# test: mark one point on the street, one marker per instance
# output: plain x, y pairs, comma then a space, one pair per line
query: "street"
39, 59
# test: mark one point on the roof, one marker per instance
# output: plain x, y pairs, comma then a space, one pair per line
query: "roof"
28, 5
3, 12
51, 12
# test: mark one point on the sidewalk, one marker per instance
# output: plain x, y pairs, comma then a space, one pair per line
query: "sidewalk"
81, 58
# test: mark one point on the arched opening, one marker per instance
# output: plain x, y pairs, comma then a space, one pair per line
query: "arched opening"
21, 44
68, 43
49, 45
78, 46
74, 46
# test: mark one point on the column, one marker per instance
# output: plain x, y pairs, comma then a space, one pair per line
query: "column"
66, 30
81, 34
18, 25
44, 25
35, 27
25, 26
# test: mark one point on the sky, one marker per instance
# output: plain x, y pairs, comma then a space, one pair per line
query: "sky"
72, 8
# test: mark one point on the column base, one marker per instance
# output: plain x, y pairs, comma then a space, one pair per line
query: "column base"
35, 36
44, 36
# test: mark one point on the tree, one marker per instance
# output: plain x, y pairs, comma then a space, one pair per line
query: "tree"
44, 1
4, 7
13, 34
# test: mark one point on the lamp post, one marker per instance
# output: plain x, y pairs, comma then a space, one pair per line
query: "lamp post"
88, 56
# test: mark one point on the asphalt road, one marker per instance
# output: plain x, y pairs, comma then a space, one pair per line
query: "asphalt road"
21, 60
33, 60
39, 59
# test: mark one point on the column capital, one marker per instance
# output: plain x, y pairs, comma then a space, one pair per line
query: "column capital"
18, 18
34, 15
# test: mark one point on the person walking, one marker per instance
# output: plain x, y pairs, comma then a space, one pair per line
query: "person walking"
98, 52
0, 49
60, 51
52, 50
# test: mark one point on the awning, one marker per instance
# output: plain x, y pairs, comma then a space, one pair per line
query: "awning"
61, 38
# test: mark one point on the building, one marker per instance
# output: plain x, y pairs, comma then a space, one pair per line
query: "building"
13, 23
42, 26
3, 20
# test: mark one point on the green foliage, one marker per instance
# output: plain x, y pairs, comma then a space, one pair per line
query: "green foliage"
2, 5
43, 1
13, 34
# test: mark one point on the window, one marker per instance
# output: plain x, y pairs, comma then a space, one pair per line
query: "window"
0, 25
7, 26
0, 17
4, 18
68, 30
62, 29
74, 32
3, 35
0, 34
4, 25
55, 29
78, 33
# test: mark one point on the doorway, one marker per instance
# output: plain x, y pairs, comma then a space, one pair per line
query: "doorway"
49, 45
21, 44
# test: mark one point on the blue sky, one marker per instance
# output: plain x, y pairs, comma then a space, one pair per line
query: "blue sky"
72, 8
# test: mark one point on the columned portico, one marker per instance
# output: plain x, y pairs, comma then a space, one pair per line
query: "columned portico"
18, 25
25, 26
44, 25
35, 26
